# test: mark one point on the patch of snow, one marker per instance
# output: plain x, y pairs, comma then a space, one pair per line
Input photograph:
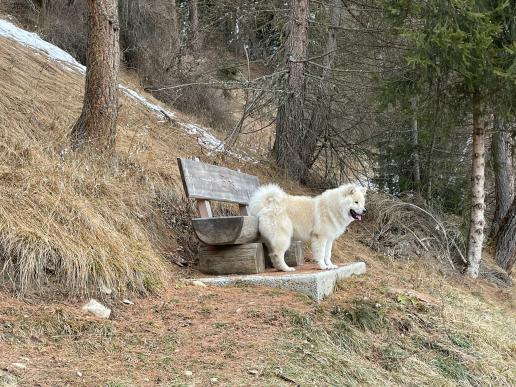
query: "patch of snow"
34, 41
210, 142
149, 105
205, 139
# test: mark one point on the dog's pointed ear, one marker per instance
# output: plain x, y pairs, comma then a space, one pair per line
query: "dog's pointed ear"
350, 189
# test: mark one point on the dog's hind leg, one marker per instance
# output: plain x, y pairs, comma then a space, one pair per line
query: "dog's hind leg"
276, 229
319, 251
278, 261
327, 255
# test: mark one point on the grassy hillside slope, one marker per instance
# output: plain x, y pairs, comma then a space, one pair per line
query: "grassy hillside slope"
79, 224
82, 222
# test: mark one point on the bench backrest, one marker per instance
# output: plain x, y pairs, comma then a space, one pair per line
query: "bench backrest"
205, 182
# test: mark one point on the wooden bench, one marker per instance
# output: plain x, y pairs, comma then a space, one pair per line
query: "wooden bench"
230, 244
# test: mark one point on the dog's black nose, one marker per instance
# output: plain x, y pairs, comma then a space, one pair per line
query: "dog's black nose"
364, 212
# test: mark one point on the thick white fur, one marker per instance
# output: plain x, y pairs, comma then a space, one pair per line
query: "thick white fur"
321, 219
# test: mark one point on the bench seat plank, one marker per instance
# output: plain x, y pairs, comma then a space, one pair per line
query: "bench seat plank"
226, 230
211, 182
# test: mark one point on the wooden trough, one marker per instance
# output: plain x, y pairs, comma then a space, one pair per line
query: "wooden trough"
226, 230
231, 244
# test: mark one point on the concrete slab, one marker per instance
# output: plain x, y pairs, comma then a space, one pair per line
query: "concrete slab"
317, 284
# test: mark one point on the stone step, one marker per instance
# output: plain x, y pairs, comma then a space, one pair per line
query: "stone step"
315, 283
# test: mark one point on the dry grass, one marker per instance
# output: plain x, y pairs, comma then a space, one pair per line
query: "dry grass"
400, 229
403, 230
401, 324
75, 222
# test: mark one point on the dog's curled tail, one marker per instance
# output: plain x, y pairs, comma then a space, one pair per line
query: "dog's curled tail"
268, 196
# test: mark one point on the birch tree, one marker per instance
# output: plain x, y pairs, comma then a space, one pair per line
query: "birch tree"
464, 40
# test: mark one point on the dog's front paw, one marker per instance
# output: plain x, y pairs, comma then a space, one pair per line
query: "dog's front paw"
332, 266
322, 266
288, 268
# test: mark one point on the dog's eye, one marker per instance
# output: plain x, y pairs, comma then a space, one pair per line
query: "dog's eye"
356, 202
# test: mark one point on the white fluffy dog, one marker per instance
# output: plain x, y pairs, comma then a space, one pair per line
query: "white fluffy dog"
321, 219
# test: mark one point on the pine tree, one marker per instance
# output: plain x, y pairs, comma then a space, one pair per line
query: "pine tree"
505, 253
289, 146
463, 40
96, 127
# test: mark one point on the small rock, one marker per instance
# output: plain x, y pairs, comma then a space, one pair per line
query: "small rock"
127, 302
97, 309
199, 283
188, 373
253, 372
20, 366
214, 380
104, 289
79, 374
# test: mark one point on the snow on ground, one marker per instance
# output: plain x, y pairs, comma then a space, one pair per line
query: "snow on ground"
34, 41
151, 106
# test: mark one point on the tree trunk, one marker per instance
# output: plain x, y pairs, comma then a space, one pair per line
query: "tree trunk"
429, 166
476, 229
503, 173
290, 121
175, 41
505, 253
96, 127
43, 14
415, 148
194, 25
321, 115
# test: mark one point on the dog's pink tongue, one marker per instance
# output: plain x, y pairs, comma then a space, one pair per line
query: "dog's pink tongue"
359, 218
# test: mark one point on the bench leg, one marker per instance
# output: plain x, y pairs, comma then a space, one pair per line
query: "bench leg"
235, 259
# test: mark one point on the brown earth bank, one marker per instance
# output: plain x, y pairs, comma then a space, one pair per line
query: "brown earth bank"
399, 324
